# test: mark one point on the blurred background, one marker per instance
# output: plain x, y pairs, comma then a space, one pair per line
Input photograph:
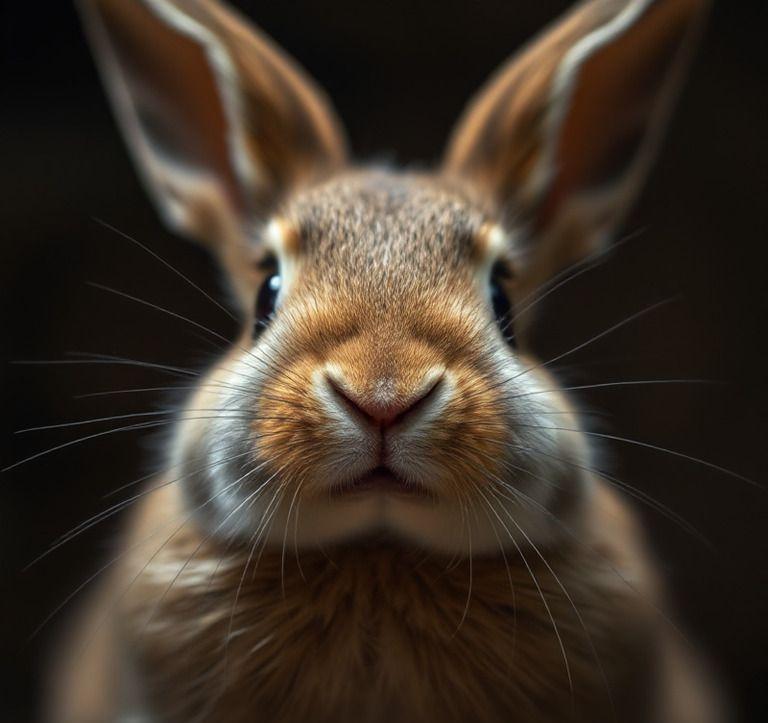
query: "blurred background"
399, 73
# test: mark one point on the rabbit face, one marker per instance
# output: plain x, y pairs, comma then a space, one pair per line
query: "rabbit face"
375, 389
385, 393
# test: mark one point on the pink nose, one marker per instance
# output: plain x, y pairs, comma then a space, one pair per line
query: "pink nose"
384, 410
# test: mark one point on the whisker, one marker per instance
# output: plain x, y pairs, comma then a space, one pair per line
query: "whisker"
118, 507
571, 602
254, 437
179, 413
251, 495
509, 578
119, 557
167, 264
138, 390
572, 350
116, 417
654, 447
159, 308
266, 515
538, 588
518, 494
105, 359
260, 363
627, 489
606, 332
468, 601
609, 385
181, 317
296, 537
103, 433
285, 537
590, 262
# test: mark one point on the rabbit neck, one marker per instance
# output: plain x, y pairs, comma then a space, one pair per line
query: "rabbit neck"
353, 633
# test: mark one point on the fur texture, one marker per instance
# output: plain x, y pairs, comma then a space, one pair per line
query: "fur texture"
379, 505
381, 632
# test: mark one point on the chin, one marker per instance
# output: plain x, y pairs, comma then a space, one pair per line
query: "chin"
395, 514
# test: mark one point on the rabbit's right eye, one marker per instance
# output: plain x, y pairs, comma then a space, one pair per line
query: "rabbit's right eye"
501, 302
266, 301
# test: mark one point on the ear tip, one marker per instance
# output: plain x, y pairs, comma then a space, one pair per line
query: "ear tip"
691, 10
567, 129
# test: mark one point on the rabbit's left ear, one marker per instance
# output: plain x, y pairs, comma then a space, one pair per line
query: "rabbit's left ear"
221, 122
562, 136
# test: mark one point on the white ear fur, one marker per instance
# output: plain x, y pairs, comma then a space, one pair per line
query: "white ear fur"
595, 88
604, 207
221, 171
229, 86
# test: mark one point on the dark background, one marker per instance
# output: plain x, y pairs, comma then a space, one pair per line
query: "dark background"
399, 72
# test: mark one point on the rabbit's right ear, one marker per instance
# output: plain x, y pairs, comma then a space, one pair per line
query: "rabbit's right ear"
220, 122
561, 138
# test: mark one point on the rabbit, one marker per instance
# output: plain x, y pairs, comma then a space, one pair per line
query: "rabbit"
379, 504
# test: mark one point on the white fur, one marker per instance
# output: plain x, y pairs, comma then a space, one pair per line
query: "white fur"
565, 83
438, 525
226, 77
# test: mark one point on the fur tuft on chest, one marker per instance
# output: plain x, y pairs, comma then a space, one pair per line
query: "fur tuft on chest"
375, 633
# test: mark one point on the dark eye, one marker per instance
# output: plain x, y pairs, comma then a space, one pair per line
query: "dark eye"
501, 303
266, 301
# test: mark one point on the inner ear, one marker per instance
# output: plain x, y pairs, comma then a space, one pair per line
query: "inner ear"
562, 136
221, 123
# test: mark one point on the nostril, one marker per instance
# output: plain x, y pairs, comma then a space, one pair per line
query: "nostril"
421, 398
379, 410
385, 409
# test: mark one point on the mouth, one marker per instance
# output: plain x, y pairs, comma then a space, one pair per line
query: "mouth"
381, 480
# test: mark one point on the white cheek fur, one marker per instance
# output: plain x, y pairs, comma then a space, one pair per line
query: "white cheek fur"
444, 527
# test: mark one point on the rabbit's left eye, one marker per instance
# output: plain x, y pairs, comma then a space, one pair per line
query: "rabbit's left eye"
266, 301
501, 303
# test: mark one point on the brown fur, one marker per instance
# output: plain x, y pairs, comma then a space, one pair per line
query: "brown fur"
378, 632
514, 586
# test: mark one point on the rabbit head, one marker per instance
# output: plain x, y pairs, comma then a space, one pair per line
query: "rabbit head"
382, 382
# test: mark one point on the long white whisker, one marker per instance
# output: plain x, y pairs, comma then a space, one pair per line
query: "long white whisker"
571, 602
539, 589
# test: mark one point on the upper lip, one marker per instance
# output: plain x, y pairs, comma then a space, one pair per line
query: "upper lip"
381, 478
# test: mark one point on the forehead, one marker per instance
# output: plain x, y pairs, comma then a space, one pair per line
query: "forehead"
375, 219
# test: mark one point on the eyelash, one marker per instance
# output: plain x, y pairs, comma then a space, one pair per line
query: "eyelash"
501, 301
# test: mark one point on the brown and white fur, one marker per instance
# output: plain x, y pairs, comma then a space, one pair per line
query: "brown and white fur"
488, 574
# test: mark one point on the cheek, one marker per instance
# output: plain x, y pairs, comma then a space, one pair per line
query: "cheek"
501, 429
297, 432
459, 444
217, 392
483, 440
484, 417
